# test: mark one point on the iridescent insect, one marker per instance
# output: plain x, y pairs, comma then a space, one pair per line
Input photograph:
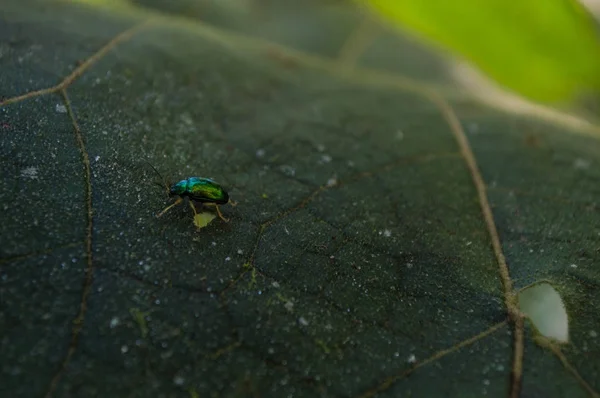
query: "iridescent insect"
198, 189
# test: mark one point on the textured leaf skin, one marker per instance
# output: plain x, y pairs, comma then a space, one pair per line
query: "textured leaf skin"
357, 260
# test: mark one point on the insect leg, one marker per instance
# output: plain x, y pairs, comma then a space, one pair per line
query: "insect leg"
193, 207
221, 215
218, 211
178, 201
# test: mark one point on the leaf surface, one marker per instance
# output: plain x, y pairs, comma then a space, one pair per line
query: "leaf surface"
356, 263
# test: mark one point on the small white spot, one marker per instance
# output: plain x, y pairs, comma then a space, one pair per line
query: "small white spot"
97, 158
186, 119
275, 284
581, 164
320, 147
178, 380
302, 321
573, 265
114, 322
214, 243
325, 158
124, 349
30, 172
288, 170
411, 358
286, 230
396, 354
289, 306
486, 382
593, 333
350, 163
60, 108
386, 232
227, 258
260, 153
469, 243
332, 182
240, 251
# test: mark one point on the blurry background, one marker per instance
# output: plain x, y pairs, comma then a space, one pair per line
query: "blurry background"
555, 70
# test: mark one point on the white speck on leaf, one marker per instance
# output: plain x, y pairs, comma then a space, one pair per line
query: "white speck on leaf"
227, 258
240, 251
114, 322
386, 232
289, 306
573, 265
124, 349
332, 182
593, 333
260, 153
288, 170
275, 284
186, 119
326, 158
178, 380
302, 321
60, 108
581, 164
30, 172
411, 358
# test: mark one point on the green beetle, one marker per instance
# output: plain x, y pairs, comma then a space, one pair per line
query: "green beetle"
198, 189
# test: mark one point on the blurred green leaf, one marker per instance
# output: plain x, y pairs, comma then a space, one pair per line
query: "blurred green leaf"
356, 262
546, 50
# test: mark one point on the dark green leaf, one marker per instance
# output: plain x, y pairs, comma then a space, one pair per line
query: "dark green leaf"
357, 261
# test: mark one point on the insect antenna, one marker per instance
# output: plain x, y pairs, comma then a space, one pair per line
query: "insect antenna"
164, 182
